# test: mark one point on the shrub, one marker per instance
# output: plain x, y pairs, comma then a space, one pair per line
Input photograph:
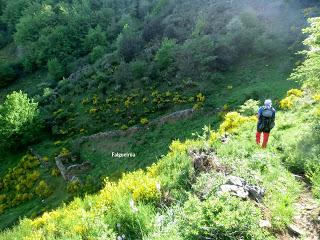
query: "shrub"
314, 176
143, 187
74, 186
129, 43
316, 97
287, 103
200, 97
290, 99
96, 53
130, 218
220, 218
144, 121
233, 121
124, 127
18, 117
249, 108
56, 69
295, 92
165, 56
42, 190
7, 74
55, 172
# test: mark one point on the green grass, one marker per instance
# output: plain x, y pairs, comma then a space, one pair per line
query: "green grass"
186, 212
251, 78
148, 144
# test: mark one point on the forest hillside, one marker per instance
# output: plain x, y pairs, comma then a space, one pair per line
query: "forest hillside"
174, 86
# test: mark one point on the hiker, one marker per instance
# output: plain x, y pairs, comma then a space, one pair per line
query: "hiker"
266, 121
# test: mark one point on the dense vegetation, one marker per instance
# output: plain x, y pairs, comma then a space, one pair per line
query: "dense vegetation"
70, 69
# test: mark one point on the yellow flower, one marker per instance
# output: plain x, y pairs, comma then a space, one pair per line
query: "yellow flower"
286, 103
295, 92
144, 121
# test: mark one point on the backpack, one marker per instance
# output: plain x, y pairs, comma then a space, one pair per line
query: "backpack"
266, 122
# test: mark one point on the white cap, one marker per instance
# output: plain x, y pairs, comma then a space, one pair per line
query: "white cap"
268, 102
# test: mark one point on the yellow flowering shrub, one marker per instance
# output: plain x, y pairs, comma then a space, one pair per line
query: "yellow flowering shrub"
213, 137
55, 172
287, 103
142, 186
145, 100
289, 100
2, 197
85, 101
316, 97
144, 121
2, 208
200, 97
197, 106
177, 146
128, 102
295, 92
93, 110
233, 121
73, 186
124, 127
65, 152
95, 99
42, 190
58, 112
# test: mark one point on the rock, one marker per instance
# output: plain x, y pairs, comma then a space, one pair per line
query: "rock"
206, 160
238, 187
224, 139
294, 230
233, 180
265, 224
233, 190
255, 192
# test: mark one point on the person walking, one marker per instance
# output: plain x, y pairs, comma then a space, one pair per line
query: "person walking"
266, 121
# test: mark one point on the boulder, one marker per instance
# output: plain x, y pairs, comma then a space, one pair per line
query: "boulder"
239, 187
233, 190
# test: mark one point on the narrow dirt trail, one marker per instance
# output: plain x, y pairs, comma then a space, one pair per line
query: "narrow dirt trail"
306, 223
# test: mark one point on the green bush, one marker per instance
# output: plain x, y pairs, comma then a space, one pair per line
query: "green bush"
18, 119
8, 74
96, 53
130, 218
221, 218
56, 69
249, 108
42, 190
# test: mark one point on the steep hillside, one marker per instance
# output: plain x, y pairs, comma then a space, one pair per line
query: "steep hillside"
80, 80
181, 195
218, 185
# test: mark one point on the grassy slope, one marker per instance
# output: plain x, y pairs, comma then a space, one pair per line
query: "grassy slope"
250, 78
257, 166
264, 81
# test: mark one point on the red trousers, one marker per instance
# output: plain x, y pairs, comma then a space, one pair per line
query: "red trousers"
265, 138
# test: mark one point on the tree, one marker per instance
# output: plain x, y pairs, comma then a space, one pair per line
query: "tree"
13, 11
96, 36
7, 74
309, 72
129, 43
56, 69
197, 57
16, 113
165, 55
